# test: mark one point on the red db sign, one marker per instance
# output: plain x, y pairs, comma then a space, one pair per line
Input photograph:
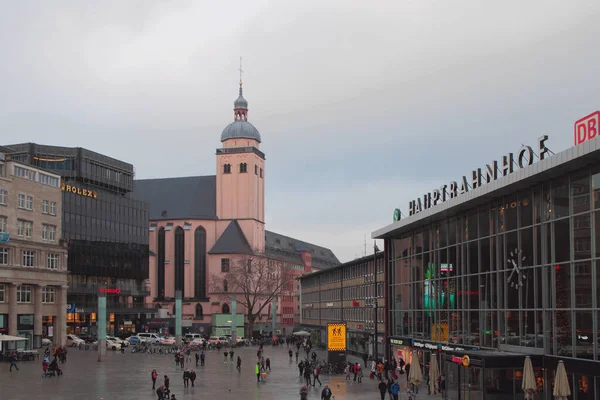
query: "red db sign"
586, 128
110, 291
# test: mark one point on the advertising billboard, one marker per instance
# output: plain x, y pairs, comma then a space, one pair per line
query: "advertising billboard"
336, 337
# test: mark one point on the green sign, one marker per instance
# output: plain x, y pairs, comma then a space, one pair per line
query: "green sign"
396, 215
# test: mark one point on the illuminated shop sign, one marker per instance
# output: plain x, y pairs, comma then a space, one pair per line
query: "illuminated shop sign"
79, 191
465, 361
480, 176
439, 346
110, 291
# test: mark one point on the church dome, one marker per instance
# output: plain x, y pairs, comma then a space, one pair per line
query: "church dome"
240, 129
241, 103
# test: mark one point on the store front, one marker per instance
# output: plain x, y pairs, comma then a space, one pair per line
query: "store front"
25, 329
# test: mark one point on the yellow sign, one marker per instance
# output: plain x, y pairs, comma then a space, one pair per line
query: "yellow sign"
439, 332
336, 337
76, 190
466, 361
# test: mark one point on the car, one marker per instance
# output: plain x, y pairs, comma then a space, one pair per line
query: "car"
74, 341
133, 340
190, 337
123, 343
150, 338
198, 341
46, 342
213, 340
112, 344
167, 341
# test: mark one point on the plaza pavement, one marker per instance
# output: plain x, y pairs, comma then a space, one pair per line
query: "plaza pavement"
128, 378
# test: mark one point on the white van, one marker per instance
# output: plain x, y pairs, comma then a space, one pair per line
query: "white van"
190, 337
151, 338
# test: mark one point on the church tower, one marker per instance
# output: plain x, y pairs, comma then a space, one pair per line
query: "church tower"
241, 176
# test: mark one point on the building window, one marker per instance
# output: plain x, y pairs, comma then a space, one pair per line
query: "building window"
3, 223
180, 260
256, 170
21, 203
49, 232
225, 309
227, 168
29, 203
200, 263
24, 228
249, 266
49, 180
243, 167
224, 264
161, 263
52, 262
28, 258
24, 173
199, 311
2, 293
23, 294
48, 295
261, 172
45, 206
25, 202
52, 208
3, 196
225, 285
3, 255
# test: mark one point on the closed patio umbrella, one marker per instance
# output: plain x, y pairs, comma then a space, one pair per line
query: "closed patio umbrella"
434, 374
415, 376
528, 385
561, 383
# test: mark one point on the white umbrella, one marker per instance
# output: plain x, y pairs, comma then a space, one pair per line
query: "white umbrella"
528, 385
8, 338
301, 333
561, 383
415, 376
434, 374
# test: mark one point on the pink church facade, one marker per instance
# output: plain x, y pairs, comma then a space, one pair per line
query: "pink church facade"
199, 224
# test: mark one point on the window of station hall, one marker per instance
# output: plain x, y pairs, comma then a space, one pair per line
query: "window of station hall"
498, 273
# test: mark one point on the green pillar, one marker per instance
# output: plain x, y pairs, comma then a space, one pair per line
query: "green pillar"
101, 325
274, 310
178, 316
233, 320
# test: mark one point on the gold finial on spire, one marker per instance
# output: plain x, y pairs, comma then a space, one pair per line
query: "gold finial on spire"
241, 71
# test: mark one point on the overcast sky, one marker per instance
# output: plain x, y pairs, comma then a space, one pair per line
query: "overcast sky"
362, 105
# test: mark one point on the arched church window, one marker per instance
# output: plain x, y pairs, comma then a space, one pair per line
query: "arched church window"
225, 286
243, 167
179, 259
199, 311
225, 309
199, 263
227, 168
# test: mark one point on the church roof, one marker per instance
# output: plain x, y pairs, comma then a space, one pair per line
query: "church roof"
194, 197
240, 130
178, 198
232, 241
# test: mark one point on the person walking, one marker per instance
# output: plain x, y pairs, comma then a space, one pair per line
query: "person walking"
197, 358
239, 364
192, 377
202, 358
360, 374
297, 353
307, 375
355, 370
347, 372
186, 378
13, 361
395, 390
443, 385
326, 393
225, 353
160, 392
167, 382
303, 393
154, 375
316, 374
230, 356
268, 364
301, 368
257, 372
382, 389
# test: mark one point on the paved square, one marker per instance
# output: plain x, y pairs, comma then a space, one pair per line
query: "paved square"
128, 378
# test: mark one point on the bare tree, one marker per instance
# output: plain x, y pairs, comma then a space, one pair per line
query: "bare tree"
255, 280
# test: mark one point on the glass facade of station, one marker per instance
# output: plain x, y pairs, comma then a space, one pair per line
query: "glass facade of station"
518, 273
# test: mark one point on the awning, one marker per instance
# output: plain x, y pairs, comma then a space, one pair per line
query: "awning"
9, 338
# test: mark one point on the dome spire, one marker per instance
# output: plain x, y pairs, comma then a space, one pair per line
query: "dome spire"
240, 106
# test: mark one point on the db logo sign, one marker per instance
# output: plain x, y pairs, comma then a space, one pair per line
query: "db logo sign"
586, 128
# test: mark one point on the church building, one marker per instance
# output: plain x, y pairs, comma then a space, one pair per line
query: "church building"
199, 223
